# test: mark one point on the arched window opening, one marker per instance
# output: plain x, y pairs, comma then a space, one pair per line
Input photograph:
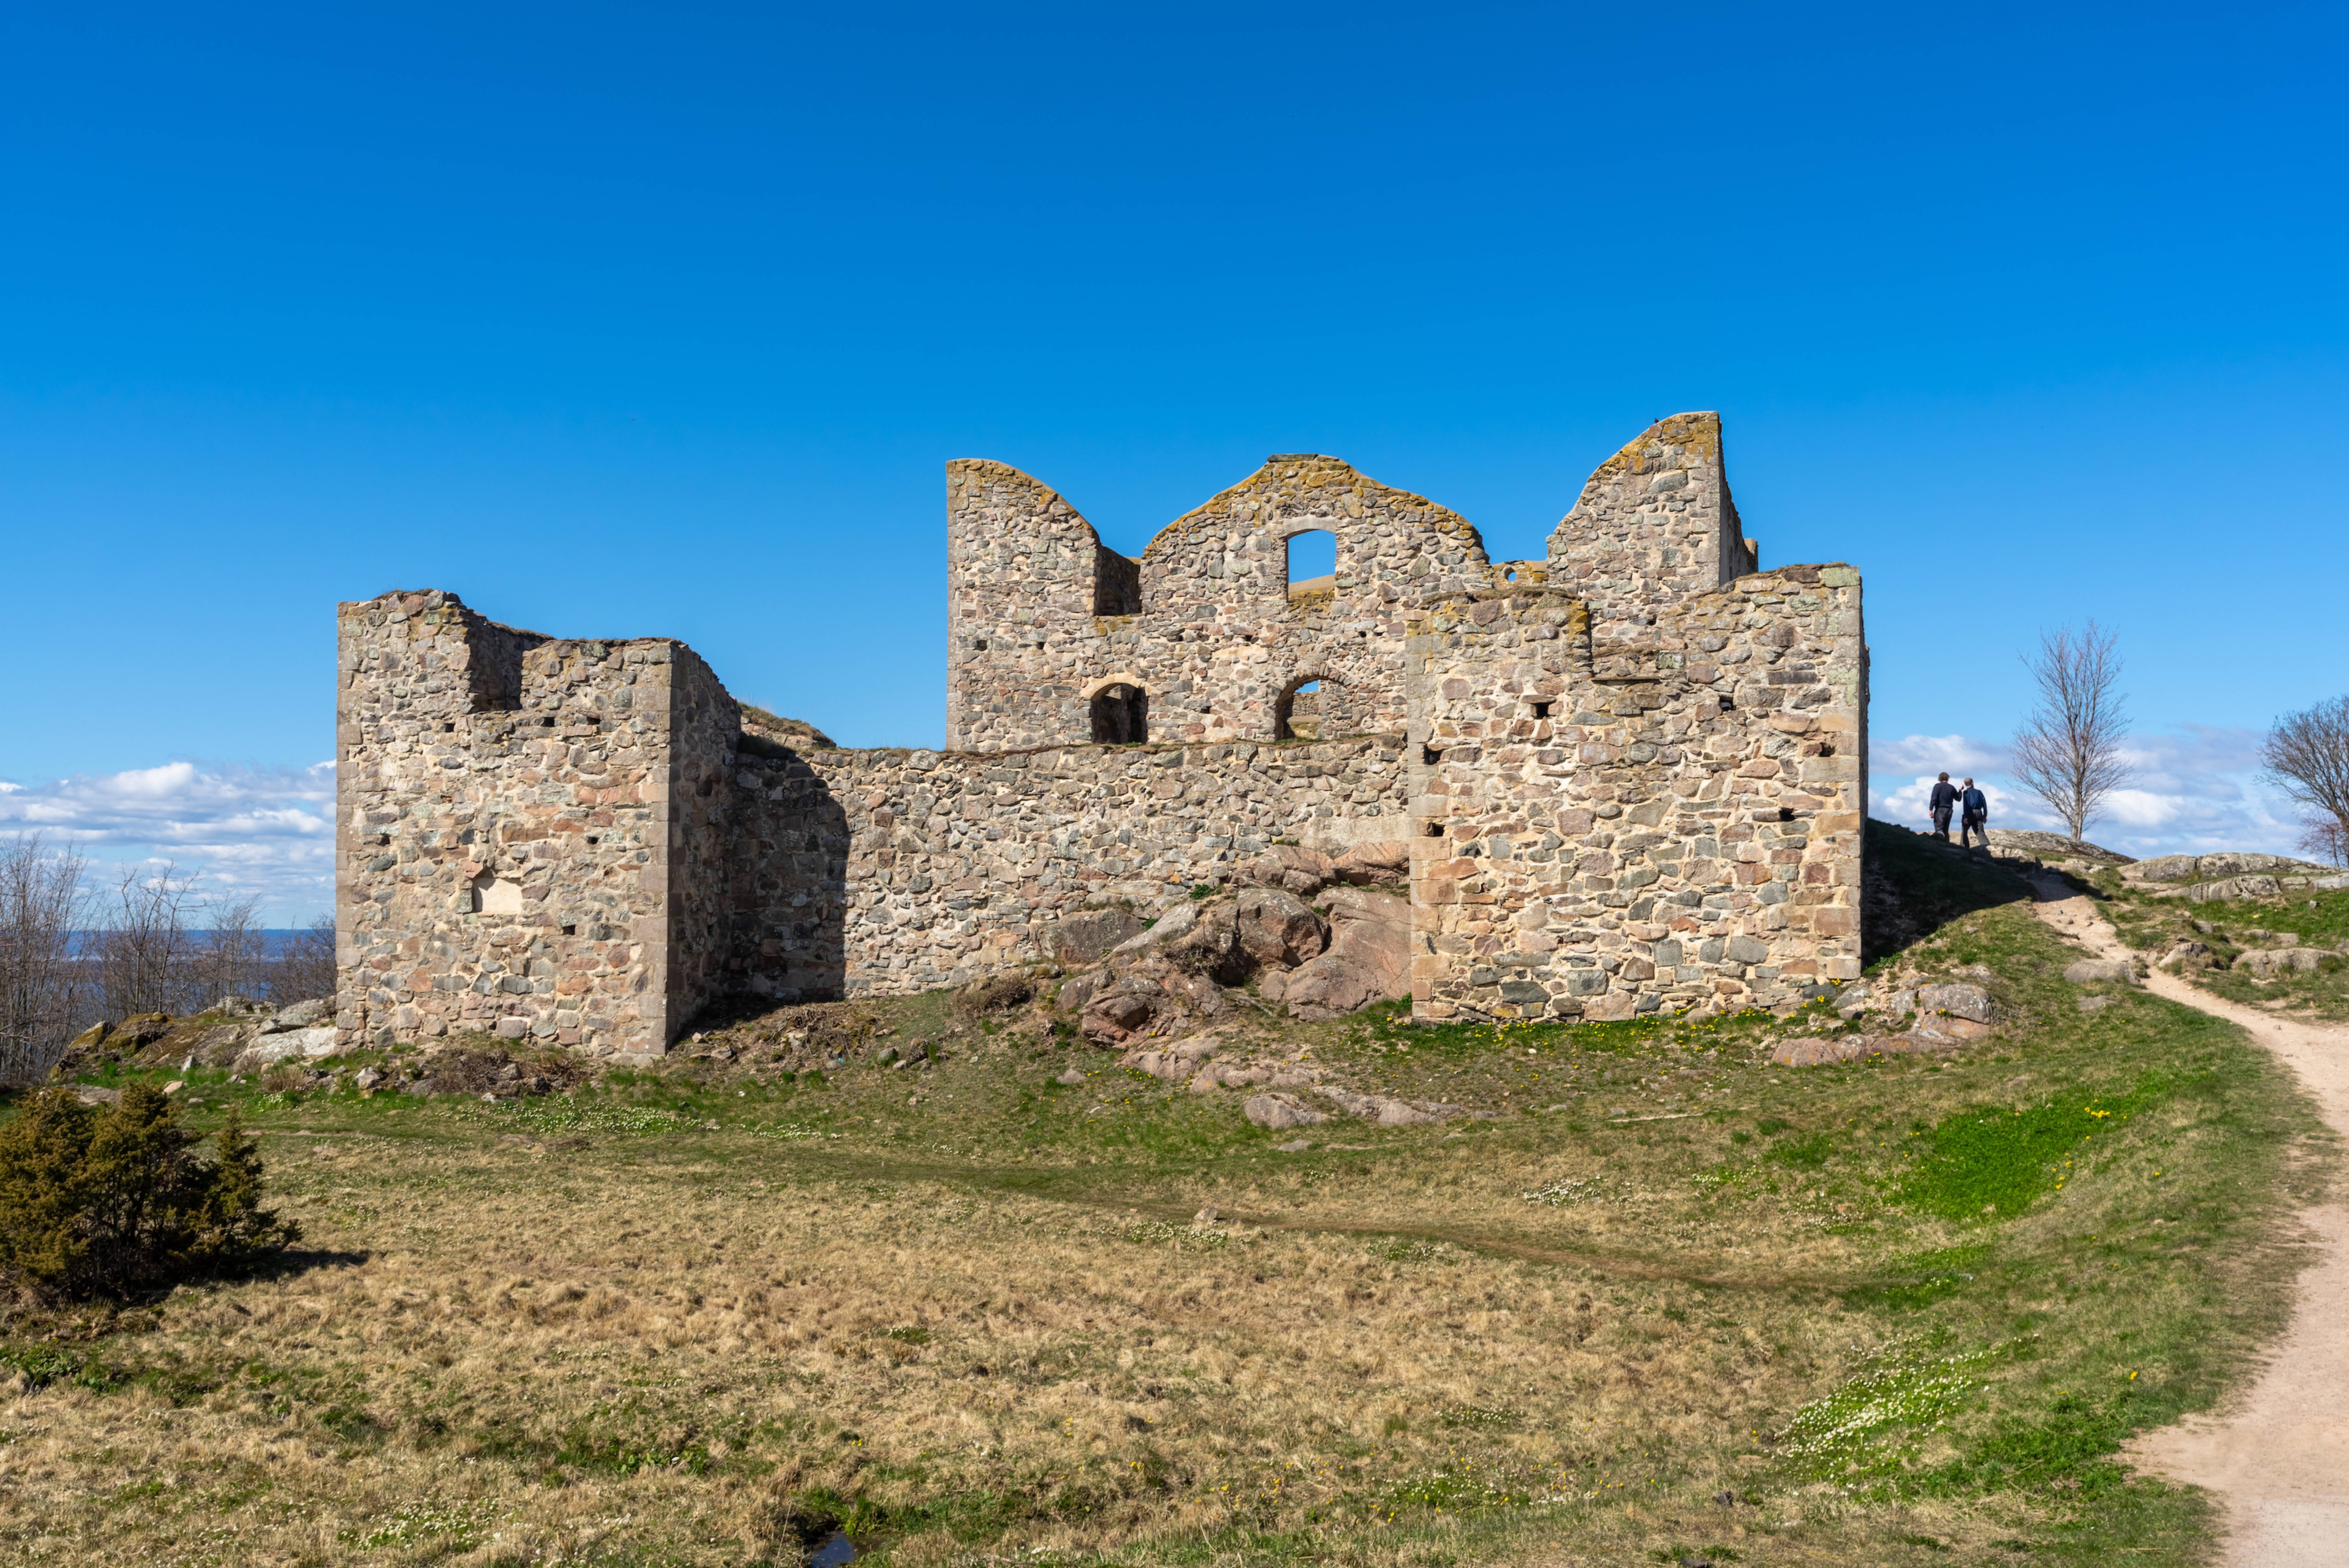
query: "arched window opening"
1296, 714
1121, 715
1314, 708
1312, 564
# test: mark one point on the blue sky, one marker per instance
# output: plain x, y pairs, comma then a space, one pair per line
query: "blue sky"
622, 321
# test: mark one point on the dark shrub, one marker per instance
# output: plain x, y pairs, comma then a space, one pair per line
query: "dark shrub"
111, 1201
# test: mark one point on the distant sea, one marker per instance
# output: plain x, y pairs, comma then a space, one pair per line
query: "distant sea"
273, 939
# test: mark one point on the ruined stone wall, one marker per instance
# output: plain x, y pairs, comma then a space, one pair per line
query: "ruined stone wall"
1654, 523
1041, 618
889, 872
1025, 590
577, 847
704, 730
1667, 818
506, 830
1631, 782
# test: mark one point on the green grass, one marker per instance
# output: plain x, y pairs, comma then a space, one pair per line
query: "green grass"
1958, 1286
1992, 1160
2321, 920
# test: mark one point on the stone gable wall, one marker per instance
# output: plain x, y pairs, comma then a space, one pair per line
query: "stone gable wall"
1218, 639
1674, 820
1654, 523
1042, 616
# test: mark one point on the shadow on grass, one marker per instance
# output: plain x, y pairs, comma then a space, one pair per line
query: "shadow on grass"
1913, 885
292, 1263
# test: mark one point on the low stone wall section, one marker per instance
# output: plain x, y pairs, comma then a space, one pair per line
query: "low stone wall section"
867, 873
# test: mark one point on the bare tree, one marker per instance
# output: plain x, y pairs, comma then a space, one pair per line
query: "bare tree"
306, 964
143, 945
2068, 752
41, 896
2307, 757
233, 954
2326, 839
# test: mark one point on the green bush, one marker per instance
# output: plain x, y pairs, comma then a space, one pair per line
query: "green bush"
114, 1200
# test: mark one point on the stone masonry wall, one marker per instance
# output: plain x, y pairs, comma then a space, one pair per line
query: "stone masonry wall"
511, 853
1654, 523
1042, 617
1038, 625
888, 872
1630, 781
1671, 820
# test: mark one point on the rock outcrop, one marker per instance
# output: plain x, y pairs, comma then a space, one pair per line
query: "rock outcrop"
1369, 959
1347, 947
236, 1032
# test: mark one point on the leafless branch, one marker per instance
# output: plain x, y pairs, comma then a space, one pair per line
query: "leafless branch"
2307, 757
305, 965
143, 947
41, 894
2068, 752
233, 955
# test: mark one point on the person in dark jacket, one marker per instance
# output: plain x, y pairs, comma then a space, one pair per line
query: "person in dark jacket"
1945, 795
1973, 813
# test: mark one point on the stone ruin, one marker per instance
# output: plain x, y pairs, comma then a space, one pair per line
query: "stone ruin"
1628, 777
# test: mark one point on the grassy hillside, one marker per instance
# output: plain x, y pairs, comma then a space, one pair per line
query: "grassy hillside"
1671, 1302
2317, 921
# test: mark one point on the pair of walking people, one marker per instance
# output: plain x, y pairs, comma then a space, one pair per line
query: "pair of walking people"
1973, 805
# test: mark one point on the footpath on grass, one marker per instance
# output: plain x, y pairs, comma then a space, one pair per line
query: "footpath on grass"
2278, 1457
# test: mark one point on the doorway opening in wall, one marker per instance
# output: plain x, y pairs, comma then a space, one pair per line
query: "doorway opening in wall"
1121, 715
1312, 566
1311, 708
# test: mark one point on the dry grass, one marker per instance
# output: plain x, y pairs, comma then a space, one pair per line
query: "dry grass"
696, 1319
548, 1364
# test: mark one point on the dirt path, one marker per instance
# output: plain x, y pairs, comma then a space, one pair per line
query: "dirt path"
2278, 1456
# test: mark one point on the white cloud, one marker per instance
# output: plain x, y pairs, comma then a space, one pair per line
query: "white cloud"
2194, 790
1957, 755
271, 830
268, 831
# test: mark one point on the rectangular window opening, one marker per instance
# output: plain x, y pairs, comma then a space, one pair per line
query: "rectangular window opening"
1312, 562
1541, 710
